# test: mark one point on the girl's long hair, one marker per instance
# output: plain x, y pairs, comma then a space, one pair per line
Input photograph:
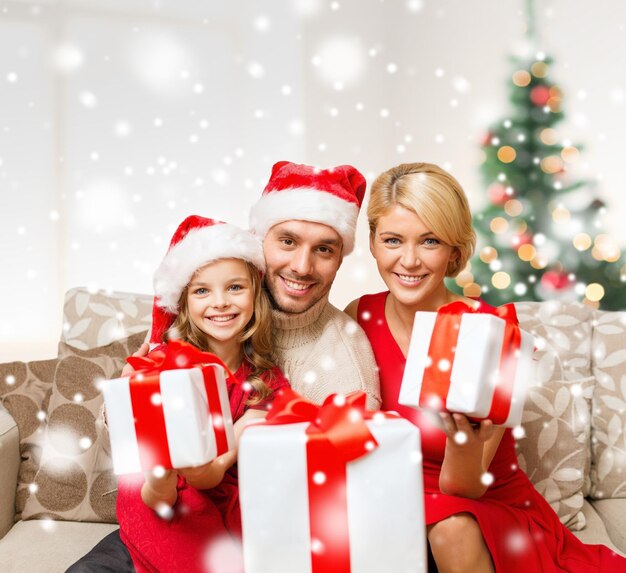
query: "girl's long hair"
255, 338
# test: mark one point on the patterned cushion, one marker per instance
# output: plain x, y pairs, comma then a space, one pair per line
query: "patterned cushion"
25, 389
608, 437
92, 319
555, 450
75, 481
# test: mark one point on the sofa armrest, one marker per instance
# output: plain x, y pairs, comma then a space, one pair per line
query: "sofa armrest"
9, 466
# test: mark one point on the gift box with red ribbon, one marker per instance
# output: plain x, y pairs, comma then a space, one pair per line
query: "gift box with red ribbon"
476, 362
331, 488
172, 412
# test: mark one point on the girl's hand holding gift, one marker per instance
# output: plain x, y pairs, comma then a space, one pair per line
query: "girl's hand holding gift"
141, 352
159, 489
208, 475
211, 474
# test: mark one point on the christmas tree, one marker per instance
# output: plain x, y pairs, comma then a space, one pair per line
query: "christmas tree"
541, 236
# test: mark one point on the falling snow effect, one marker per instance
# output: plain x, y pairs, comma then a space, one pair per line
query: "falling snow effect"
120, 194
460, 438
223, 556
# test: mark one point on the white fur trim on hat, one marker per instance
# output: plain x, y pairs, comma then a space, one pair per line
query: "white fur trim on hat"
304, 204
198, 248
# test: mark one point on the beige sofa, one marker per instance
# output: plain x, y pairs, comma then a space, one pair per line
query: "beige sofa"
57, 491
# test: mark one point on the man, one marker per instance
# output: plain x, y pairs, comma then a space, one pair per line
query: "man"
307, 218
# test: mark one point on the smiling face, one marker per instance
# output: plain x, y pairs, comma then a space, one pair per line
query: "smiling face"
302, 259
411, 260
220, 301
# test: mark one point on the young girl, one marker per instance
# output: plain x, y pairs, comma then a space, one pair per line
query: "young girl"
208, 293
420, 232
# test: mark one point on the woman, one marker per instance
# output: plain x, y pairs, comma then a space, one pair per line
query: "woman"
482, 512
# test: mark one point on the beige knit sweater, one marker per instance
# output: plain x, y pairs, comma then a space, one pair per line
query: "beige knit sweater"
323, 351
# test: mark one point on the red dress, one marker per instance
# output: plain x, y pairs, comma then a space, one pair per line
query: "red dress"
205, 532
520, 528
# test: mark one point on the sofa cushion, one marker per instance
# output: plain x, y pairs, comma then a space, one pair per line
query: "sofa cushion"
595, 531
75, 480
25, 389
613, 515
96, 318
9, 469
554, 451
35, 546
608, 429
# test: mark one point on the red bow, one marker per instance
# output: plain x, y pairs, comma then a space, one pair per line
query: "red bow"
506, 311
340, 420
177, 354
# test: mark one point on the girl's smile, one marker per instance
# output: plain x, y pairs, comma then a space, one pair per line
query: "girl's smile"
222, 318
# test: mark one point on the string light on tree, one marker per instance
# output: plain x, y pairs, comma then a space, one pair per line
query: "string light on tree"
488, 254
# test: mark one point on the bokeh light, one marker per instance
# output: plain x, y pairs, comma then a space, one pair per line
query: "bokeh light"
521, 78
501, 280
594, 292
499, 225
488, 254
506, 154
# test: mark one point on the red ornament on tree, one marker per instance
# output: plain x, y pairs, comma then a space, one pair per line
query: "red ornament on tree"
486, 139
497, 193
522, 239
540, 95
555, 280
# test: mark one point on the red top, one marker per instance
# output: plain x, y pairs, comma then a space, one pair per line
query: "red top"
206, 526
521, 530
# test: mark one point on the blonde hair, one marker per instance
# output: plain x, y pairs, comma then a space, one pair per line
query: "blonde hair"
435, 197
256, 337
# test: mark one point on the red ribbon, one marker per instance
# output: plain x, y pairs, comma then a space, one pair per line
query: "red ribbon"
145, 384
436, 382
337, 434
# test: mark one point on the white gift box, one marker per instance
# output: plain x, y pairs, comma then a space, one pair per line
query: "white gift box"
385, 510
475, 370
190, 427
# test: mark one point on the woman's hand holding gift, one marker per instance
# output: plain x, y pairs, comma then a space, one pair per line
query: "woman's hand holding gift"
469, 451
465, 435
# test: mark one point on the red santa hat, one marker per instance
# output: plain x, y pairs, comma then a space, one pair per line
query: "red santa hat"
197, 242
301, 192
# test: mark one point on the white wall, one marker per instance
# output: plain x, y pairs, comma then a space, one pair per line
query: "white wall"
118, 118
